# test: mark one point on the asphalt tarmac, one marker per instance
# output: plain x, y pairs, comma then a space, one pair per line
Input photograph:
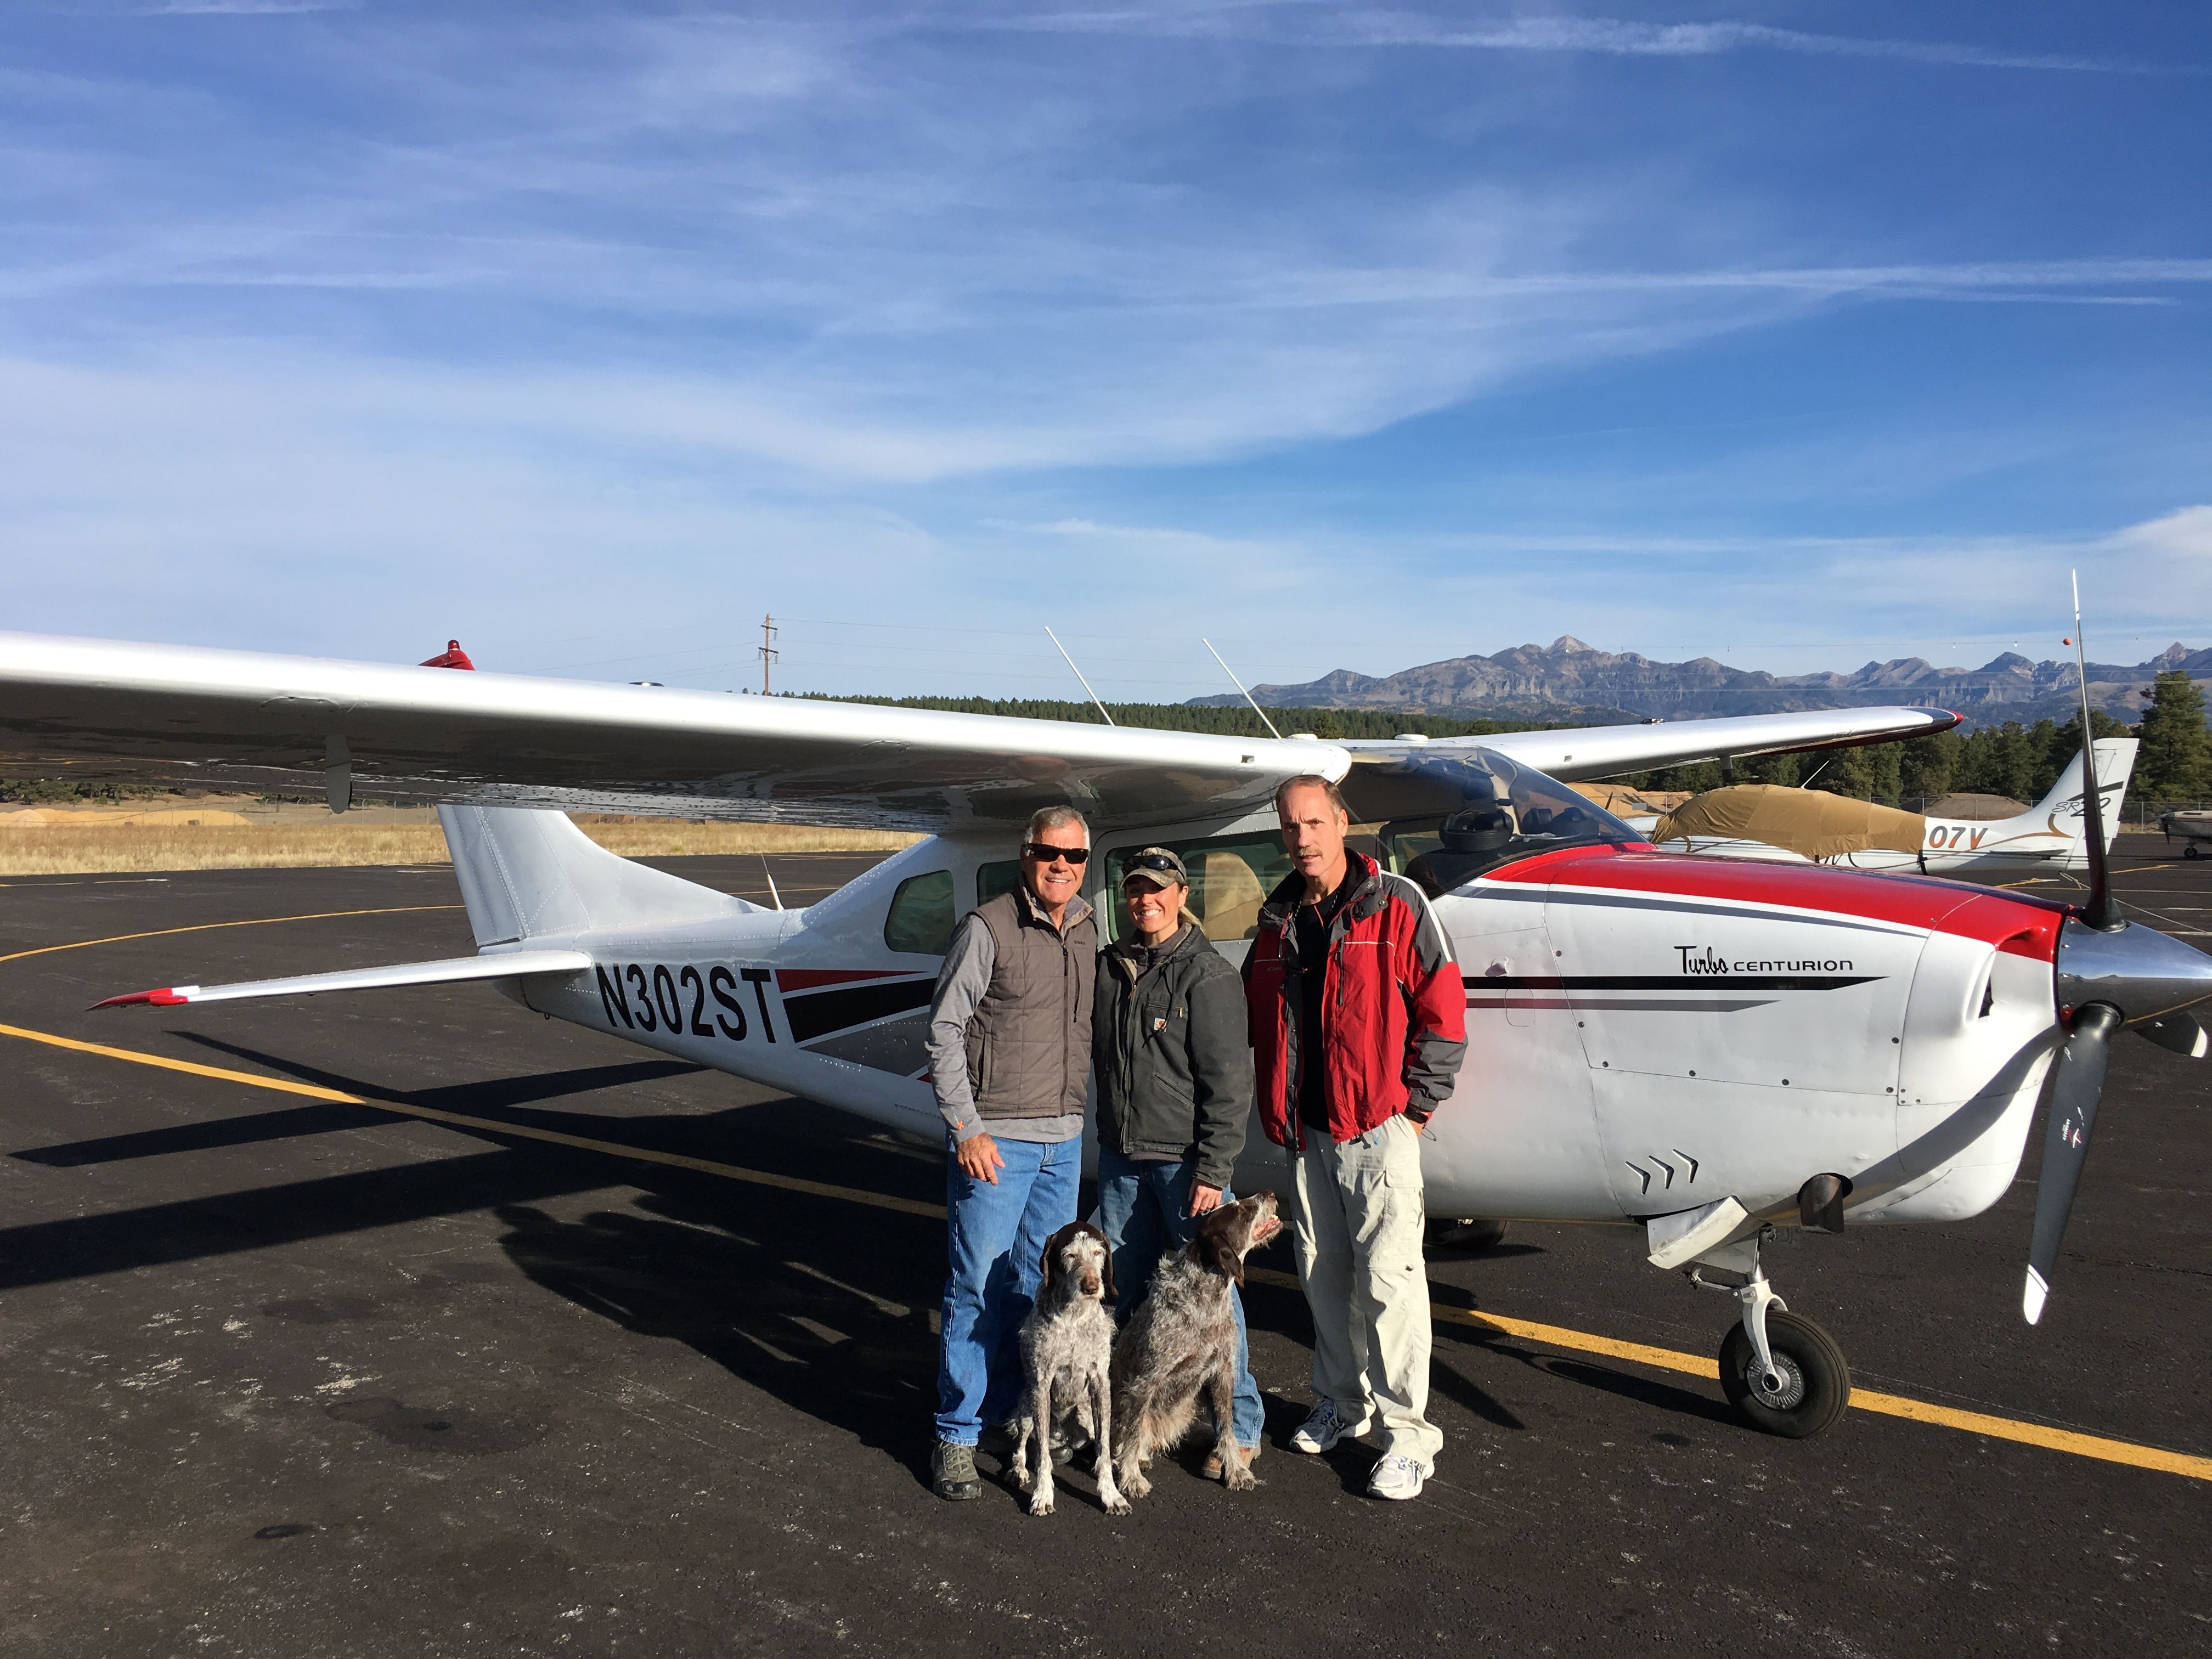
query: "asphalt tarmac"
284, 1374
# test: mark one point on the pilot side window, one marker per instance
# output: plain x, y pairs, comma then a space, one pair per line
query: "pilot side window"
1230, 879
921, 918
992, 879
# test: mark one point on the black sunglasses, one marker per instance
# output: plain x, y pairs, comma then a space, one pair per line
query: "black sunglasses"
1044, 854
1159, 861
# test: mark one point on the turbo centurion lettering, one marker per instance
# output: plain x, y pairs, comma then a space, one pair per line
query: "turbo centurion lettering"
654, 996
1701, 959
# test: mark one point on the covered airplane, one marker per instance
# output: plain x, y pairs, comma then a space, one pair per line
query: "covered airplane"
1761, 820
1701, 1050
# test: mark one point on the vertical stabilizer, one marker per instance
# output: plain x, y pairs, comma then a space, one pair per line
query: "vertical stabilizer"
526, 874
2061, 810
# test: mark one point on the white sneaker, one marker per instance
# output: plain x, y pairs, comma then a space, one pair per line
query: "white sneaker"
1322, 1429
1398, 1477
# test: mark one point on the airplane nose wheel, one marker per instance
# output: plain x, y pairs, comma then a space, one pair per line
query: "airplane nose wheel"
1804, 1390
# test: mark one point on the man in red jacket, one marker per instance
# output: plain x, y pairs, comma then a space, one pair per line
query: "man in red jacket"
1358, 1021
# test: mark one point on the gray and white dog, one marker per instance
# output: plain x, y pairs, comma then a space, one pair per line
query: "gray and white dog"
1067, 1351
1179, 1347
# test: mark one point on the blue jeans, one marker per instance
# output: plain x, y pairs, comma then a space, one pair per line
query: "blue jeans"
995, 1236
1142, 1206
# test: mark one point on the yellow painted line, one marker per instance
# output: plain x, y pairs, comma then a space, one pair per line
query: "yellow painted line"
1865, 1399
492, 1125
209, 926
1555, 1336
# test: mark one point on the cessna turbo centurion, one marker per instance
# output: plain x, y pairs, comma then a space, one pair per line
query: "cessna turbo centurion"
1701, 1049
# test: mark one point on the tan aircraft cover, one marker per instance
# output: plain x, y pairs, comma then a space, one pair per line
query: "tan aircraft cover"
1810, 822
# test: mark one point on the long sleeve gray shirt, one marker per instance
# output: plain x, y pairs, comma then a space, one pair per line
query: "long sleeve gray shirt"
960, 986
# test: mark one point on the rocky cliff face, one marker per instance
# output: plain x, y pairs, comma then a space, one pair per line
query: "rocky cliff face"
1568, 677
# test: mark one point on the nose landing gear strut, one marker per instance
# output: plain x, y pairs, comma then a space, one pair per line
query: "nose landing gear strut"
1784, 1375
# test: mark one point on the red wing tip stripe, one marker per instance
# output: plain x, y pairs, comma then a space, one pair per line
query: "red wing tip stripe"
168, 997
788, 979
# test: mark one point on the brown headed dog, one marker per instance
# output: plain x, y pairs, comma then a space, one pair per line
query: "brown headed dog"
1180, 1346
1067, 1349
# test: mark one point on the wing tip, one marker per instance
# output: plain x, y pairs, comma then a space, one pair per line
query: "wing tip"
166, 996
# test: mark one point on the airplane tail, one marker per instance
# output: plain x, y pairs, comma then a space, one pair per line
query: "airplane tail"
528, 873
2061, 809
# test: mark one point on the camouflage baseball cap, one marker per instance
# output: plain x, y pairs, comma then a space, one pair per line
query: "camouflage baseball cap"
1157, 865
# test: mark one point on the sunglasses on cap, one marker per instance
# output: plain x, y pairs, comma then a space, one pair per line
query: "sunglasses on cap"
1158, 863
1044, 854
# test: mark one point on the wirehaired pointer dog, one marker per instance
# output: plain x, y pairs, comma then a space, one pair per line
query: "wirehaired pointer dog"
1179, 1347
1068, 1353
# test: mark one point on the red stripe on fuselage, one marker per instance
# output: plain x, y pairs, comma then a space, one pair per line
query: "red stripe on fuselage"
2015, 924
788, 979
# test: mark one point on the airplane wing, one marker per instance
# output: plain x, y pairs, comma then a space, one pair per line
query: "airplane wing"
1578, 754
100, 709
509, 964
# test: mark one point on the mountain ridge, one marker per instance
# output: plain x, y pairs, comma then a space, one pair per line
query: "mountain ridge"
1569, 675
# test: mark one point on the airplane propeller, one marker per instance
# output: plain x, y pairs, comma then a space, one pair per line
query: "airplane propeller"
2111, 973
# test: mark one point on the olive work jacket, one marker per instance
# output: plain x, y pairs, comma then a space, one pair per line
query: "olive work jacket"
1174, 1062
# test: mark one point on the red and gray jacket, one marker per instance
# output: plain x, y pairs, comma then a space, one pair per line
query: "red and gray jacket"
1394, 1008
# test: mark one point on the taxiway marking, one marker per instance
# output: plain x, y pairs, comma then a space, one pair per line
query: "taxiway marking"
209, 926
1556, 1336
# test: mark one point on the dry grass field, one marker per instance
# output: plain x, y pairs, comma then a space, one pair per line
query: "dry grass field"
100, 849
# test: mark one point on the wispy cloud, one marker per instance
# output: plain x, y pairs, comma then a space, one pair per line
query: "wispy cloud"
1298, 25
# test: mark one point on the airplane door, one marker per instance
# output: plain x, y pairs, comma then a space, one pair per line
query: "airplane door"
1520, 1136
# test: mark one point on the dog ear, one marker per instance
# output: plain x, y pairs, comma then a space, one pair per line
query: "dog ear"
1052, 1248
1106, 1269
1211, 1248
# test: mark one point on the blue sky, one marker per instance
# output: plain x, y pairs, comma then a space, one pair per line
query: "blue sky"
1348, 336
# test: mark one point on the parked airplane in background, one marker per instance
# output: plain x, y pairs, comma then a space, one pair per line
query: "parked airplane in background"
2190, 827
1701, 1049
2048, 836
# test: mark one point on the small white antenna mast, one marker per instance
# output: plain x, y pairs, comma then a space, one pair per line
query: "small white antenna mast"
770, 874
1247, 696
1070, 661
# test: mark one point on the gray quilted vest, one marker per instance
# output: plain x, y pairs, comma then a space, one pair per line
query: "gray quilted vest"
1029, 1043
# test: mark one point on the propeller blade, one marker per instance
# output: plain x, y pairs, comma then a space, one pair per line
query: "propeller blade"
2180, 1032
2073, 1097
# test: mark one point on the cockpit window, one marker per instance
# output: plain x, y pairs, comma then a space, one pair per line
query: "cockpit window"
1447, 818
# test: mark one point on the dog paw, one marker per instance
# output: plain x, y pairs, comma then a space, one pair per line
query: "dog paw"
1115, 1503
1237, 1478
1041, 1503
1135, 1485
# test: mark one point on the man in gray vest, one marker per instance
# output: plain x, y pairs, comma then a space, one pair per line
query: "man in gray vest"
1010, 1058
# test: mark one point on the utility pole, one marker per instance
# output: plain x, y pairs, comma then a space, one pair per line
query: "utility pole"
769, 654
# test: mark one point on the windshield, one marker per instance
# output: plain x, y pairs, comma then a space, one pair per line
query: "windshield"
1448, 817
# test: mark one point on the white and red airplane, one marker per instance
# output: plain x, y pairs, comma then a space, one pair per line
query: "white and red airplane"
1701, 1049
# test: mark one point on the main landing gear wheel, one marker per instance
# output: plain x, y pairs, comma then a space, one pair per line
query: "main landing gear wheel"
1466, 1237
2189, 849
1811, 1384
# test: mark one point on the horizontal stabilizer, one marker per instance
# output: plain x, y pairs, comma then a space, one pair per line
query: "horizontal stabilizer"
507, 965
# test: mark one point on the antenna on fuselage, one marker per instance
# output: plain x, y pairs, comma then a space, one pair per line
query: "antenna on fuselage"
1247, 696
1070, 661
770, 874
2100, 911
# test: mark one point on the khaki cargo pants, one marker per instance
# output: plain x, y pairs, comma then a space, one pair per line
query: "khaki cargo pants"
1357, 1226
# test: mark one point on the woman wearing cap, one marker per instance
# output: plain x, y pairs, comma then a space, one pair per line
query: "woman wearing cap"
1174, 1091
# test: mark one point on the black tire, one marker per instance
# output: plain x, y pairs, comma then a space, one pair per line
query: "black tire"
2189, 849
1816, 1379
1466, 1237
